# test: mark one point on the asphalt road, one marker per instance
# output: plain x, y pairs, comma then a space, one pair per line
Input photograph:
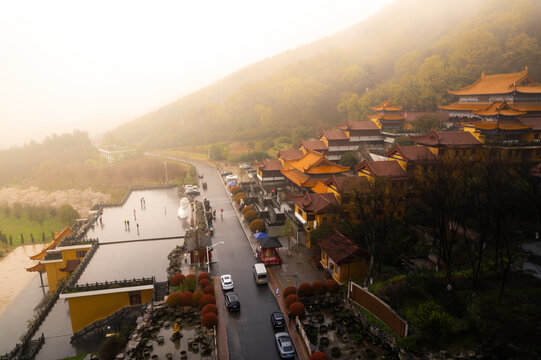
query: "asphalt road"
249, 331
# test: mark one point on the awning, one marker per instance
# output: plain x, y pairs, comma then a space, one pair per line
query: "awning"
261, 235
270, 243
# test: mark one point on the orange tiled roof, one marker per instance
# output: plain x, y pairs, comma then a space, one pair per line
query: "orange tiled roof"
315, 163
390, 169
318, 203
334, 134
290, 154
501, 125
58, 237
387, 106
297, 177
316, 145
390, 117
520, 106
446, 138
500, 84
38, 267
499, 108
320, 188
412, 153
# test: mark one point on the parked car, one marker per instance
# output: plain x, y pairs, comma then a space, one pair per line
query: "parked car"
232, 301
284, 345
204, 184
229, 178
227, 282
192, 191
225, 173
277, 320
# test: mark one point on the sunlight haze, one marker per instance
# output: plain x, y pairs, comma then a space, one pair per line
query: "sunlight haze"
95, 65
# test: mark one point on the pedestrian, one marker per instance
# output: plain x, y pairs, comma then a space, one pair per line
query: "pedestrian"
221, 213
128, 222
214, 214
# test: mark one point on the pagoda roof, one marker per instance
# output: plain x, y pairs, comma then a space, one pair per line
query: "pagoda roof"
341, 249
358, 125
412, 153
499, 108
500, 125
387, 106
390, 169
390, 117
316, 145
38, 267
341, 183
314, 163
270, 165
58, 237
269, 243
334, 134
298, 177
533, 121
446, 138
501, 84
464, 106
291, 154
317, 203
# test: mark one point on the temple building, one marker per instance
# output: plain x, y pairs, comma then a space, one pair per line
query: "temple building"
449, 143
486, 97
410, 157
363, 134
305, 172
314, 145
337, 142
389, 118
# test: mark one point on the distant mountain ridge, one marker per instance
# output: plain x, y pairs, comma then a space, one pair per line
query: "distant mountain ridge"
410, 52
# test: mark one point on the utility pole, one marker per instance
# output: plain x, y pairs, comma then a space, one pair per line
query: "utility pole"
166, 178
196, 253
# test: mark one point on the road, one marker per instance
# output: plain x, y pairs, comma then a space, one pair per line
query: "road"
249, 332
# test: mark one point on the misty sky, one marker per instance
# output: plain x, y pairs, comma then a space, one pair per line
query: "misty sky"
96, 64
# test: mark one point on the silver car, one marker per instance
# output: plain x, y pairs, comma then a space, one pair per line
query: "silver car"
284, 345
227, 282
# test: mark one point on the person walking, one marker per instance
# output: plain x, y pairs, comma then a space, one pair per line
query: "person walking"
221, 213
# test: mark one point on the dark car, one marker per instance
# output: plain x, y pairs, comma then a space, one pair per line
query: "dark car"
284, 345
225, 173
277, 320
232, 301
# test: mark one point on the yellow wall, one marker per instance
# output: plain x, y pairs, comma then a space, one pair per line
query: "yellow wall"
85, 310
71, 254
54, 275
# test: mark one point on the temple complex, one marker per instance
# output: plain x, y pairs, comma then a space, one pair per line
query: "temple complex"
389, 118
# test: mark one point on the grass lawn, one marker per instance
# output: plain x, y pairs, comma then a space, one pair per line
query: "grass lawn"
187, 154
11, 226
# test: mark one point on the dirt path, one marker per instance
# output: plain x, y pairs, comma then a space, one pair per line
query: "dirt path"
81, 200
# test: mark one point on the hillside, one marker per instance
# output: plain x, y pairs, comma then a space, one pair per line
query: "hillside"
410, 52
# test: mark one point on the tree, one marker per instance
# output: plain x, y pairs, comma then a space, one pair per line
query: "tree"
207, 299
425, 123
348, 159
296, 308
209, 320
174, 299
250, 215
372, 207
257, 225
177, 279
186, 298
67, 214
209, 308
288, 231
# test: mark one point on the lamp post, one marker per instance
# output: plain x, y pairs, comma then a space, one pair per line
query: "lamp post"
210, 247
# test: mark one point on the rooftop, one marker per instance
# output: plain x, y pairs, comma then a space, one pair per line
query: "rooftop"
501, 84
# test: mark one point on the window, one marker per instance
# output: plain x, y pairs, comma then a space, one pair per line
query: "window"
324, 220
311, 217
80, 254
135, 298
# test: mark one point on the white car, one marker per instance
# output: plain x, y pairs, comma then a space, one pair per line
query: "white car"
227, 282
229, 178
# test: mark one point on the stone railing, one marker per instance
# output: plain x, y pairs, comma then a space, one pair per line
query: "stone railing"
108, 285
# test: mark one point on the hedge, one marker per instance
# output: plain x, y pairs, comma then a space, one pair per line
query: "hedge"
257, 224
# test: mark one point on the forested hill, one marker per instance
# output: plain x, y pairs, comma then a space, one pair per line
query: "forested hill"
411, 52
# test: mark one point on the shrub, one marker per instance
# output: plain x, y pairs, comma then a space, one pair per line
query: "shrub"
246, 208
186, 298
208, 290
290, 299
290, 290
209, 320
319, 355
174, 299
257, 224
250, 215
239, 196
235, 189
207, 299
203, 275
297, 308
195, 297
319, 287
203, 283
332, 286
177, 279
210, 308
189, 283
305, 289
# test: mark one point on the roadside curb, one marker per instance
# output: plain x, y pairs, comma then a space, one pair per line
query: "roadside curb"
221, 332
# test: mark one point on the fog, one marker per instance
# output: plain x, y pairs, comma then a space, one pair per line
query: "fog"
95, 65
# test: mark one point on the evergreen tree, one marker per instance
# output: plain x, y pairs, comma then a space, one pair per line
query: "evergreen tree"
22, 239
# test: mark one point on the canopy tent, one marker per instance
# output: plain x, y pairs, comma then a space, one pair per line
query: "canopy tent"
261, 235
270, 243
232, 183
